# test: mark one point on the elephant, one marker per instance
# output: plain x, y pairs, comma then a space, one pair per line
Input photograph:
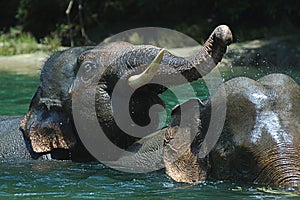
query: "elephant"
259, 144
52, 95
48, 127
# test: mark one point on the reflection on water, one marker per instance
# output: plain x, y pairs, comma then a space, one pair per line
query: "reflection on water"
53, 179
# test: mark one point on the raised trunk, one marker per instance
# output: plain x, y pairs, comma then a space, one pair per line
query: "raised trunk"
100, 69
116, 63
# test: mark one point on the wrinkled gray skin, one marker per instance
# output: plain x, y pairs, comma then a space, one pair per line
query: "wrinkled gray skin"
12, 145
48, 126
260, 142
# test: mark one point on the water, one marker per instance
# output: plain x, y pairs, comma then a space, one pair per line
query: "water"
61, 179
16, 91
55, 179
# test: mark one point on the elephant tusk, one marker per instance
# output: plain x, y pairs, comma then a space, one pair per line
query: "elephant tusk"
70, 91
145, 77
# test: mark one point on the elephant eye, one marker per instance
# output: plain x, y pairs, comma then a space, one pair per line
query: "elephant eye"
89, 71
89, 66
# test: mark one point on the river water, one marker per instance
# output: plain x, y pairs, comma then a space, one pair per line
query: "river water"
63, 179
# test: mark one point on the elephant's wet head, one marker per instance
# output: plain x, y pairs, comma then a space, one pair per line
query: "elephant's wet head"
48, 126
261, 139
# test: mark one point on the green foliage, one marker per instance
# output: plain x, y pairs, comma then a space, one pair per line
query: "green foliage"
22, 12
18, 42
194, 30
248, 19
52, 43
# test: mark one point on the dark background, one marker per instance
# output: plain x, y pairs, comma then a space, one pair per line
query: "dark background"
248, 19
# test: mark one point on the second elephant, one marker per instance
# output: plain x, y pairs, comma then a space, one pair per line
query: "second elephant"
259, 144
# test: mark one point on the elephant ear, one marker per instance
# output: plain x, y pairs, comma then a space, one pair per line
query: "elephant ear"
182, 143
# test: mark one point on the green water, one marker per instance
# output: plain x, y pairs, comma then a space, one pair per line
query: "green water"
16, 92
53, 179
56, 179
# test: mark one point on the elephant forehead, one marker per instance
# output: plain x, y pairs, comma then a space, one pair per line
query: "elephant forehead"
284, 88
245, 88
259, 111
268, 124
258, 98
58, 73
265, 94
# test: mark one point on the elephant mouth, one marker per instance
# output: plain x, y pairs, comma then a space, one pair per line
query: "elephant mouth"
48, 132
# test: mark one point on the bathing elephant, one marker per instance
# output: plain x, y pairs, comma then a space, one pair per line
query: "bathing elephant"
261, 139
259, 144
48, 126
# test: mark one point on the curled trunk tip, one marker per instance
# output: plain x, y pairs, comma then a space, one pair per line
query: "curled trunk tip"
216, 44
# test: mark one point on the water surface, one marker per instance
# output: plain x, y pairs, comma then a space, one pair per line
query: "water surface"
16, 91
56, 179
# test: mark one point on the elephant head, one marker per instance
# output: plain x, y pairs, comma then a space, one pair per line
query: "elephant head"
131, 67
260, 142
48, 127
49, 124
263, 131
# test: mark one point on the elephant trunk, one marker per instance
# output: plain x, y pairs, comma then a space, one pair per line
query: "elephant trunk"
280, 166
217, 42
191, 67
